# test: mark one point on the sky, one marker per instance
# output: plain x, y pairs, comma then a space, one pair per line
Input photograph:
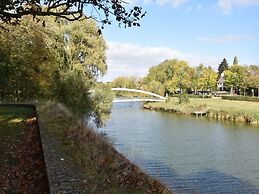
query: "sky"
197, 31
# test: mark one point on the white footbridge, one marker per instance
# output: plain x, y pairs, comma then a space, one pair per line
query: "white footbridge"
160, 98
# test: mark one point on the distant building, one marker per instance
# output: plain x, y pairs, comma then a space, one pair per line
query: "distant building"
220, 83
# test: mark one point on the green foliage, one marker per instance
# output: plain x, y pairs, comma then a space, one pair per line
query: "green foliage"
26, 62
231, 79
174, 75
126, 82
85, 47
156, 87
177, 76
162, 72
129, 82
183, 99
194, 96
205, 79
72, 89
60, 62
238, 77
101, 99
222, 67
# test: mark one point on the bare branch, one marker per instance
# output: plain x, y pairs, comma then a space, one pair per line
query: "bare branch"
71, 10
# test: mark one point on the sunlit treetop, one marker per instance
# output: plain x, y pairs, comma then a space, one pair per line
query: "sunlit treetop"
101, 11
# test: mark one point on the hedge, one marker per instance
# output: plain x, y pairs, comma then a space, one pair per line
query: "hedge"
194, 96
241, 98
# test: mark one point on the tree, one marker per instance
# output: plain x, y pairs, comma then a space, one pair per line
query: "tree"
242, 74
129, 82
156, 87
196, 82
208, 79
100, 10
235, 61
231, 80
125, 82
173, 74
183, 74
241, 78
54, 63
254, 77
161, 72
204, 79
222, 67
28, 60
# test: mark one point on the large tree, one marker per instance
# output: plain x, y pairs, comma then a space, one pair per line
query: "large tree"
161, 72
231, 80
100, 10
53, 62
222, 67
208, 80
27, 60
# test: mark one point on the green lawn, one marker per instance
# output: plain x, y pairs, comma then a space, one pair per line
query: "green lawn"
230, 106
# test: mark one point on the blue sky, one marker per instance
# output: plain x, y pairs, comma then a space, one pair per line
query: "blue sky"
192, 30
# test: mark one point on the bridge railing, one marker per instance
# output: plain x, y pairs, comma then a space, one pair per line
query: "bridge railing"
139, 91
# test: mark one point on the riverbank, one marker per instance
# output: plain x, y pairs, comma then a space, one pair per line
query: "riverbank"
102, 169
216, 108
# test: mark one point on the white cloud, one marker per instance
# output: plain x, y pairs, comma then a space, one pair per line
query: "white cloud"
225, 39
227, 5
134, 60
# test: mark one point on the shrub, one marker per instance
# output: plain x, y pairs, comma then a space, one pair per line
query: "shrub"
241, 98
183, 99
194, 96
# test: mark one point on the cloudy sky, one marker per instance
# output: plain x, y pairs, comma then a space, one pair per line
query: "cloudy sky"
198, 31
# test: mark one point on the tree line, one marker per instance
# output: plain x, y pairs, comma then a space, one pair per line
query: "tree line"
61, 61
177, 76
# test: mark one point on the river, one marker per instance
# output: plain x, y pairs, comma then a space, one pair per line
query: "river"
190, 155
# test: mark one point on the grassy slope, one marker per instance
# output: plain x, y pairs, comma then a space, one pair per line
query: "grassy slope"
226, 108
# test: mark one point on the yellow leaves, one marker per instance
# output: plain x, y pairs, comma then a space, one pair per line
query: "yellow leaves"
16, 120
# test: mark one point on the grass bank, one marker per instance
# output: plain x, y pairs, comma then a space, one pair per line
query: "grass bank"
105, 170
224, 110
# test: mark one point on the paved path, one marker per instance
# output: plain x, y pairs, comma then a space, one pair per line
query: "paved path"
64, 173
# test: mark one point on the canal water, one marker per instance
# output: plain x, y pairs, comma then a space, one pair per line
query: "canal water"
190, 155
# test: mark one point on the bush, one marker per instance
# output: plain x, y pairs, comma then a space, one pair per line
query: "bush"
241, 98
194, 96
183, 98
